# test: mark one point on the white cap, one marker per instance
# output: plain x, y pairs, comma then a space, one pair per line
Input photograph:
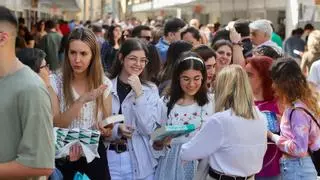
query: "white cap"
262, 25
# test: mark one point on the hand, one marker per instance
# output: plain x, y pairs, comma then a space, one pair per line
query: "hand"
93, 95
269, 134
75, 152
125, 130
105, 131
235, 37
158, 145
135, 84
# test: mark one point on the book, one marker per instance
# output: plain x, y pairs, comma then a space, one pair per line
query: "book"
113, 119
173, 131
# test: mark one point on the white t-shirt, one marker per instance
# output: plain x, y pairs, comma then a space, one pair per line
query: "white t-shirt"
314, 74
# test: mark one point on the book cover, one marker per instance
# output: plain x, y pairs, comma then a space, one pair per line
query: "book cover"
172, 131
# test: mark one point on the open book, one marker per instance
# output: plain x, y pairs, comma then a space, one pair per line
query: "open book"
113, 119
172, 131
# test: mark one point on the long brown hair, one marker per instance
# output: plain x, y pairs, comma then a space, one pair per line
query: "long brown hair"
291, 85
94, 71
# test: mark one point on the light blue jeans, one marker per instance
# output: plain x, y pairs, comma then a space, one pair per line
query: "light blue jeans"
298, 169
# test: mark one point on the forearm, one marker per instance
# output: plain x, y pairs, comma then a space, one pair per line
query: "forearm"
64, 119
238, 57
14, 170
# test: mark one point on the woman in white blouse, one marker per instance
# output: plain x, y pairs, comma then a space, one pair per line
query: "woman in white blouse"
80, 96
234, 138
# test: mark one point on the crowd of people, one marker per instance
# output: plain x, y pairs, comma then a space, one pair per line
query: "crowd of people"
225, 81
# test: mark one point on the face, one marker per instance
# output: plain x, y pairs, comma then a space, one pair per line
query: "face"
210, 66
257, 37
224, 56
134, 63
190, 81
146, 35
175, 36
254, 78
44, 71
189, 38
117, 33
125, 35
79, 56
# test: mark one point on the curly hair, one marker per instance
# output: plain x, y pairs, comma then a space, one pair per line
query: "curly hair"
290, 84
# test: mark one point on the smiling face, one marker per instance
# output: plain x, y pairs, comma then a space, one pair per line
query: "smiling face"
134, 63
224, 56
190, 81
80, 56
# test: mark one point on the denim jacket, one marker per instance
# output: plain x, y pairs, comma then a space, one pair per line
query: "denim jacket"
142, 114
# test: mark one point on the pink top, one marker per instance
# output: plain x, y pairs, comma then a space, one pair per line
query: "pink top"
271, 165
299, 133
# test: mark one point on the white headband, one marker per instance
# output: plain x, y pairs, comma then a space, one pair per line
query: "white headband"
194, 58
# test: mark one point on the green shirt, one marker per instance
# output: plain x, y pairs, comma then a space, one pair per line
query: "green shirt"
277, 39
26, 127
50, 44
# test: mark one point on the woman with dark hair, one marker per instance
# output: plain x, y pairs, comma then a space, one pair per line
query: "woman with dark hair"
154, 65
192, 35
260, 80
209, 57
223, 49
129, 153
126, 34
186, 103
299, 131
110, 47
41, 31
175, 50
266, 51
82, 99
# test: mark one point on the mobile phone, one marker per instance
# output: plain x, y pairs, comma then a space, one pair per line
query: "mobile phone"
273, 123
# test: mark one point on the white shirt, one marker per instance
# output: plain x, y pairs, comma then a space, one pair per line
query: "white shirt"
235, 146
314, 75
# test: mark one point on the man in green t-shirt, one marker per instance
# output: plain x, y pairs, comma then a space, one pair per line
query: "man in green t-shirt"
26, 128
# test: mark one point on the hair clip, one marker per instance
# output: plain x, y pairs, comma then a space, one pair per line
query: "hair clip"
193, 58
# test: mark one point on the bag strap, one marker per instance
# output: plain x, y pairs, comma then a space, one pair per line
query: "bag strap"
306, 111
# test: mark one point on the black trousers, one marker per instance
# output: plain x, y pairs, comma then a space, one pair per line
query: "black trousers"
98, 169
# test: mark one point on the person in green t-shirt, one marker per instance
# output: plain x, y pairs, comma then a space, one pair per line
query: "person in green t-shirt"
26, 128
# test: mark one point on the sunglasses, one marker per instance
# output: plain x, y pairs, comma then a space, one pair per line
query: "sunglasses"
148, 38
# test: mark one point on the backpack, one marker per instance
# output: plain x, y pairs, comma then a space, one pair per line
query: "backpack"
315, 155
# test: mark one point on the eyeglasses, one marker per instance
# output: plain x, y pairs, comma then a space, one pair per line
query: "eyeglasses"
45, 66
142, 61
148, 38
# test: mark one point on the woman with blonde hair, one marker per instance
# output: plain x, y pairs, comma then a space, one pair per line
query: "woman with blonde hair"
239, 130
81, 100
313, 53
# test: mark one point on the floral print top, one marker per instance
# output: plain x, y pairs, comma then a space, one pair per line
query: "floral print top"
299, 133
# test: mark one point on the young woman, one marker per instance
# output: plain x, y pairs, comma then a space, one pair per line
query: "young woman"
81, 100
209, 57
299, 132
186, 103
110, 48
129, 153
260, 80
234, 138
223, 49
175, 50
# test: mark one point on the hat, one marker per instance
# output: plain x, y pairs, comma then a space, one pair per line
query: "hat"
262, 25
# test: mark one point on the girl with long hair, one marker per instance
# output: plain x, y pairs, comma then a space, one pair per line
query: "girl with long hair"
187, 103
234, 138
81, 100
129, 153
299, 132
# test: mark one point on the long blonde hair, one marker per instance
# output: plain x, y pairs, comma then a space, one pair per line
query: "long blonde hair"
233, 91
94, 71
